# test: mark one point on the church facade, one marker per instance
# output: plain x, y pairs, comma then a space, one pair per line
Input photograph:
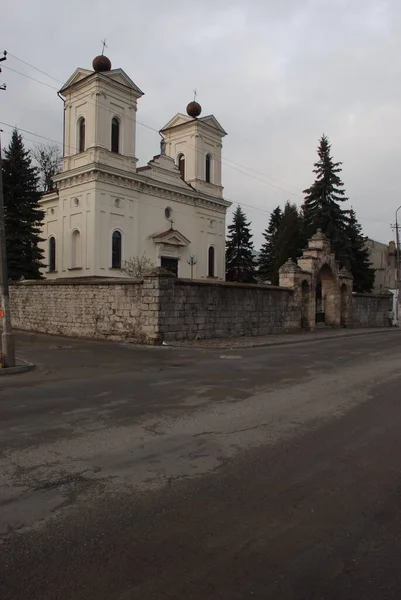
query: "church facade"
105, 210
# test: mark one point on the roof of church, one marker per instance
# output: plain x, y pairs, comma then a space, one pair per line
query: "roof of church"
116, 75
163, 169
180, 119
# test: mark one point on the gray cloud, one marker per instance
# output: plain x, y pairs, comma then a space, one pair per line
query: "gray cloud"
276, 75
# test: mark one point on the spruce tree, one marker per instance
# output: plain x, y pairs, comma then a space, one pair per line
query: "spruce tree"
268, 251
240, 261
289, 238
359, 263
23, 215
322, 206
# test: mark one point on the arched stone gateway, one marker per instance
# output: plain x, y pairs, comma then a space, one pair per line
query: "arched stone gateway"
322, 291
327, 296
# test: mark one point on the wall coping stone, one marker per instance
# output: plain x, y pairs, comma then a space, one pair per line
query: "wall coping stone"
78, 281
232, 284
159, 272
360, 295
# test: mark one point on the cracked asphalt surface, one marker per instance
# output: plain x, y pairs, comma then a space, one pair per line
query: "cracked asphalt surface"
155, 473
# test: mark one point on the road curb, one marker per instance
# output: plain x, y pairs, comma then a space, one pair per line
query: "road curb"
20, 368
290, 342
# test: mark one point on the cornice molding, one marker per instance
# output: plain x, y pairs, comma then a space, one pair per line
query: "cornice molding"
145, 186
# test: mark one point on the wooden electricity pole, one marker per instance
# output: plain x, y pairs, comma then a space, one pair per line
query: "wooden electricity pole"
7, 337
398, 266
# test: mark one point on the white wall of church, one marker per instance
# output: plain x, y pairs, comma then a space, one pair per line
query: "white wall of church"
103, 208
70, 220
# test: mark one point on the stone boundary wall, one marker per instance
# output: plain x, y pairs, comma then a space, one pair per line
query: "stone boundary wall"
371, 310
151, 310
202, 309
93, 309
163, 308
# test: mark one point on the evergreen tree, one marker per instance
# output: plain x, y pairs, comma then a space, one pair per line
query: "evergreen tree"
359, 263
23, 215
240, 261
289, 238
322, 207
268, 251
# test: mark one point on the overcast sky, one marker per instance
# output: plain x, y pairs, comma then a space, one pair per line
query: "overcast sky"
275, 73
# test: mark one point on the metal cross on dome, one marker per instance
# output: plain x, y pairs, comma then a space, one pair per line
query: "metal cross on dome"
104, 45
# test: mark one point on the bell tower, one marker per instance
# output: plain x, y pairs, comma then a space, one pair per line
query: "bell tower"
195, 143
100, 117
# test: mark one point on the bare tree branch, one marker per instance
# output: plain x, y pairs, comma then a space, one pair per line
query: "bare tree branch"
48, 161
136, 266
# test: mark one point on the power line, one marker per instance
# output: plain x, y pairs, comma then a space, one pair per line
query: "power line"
234, 202
43, 137
32, 78
35, 68
222, 160
60, 144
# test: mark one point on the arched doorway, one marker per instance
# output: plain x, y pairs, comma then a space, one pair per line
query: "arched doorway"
305, 306
344, 306
327, 298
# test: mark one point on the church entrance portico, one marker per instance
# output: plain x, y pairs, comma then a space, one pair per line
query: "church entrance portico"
171, 247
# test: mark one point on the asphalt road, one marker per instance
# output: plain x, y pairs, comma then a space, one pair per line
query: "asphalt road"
133, 473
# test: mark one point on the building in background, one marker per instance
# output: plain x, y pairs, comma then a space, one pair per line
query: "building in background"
384, 259
105, 210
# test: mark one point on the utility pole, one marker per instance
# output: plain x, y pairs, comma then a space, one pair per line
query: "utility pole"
398, 266
7, 337
4, 57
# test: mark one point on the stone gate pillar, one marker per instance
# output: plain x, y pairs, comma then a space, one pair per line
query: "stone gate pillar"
157, 303
290, 276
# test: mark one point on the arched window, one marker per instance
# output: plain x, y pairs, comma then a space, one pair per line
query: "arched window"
81, 135
76, 250
208, 168
116, 250
52, 253
181, 165
115, 135
211, 261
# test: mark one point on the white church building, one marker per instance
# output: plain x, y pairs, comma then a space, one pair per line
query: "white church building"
105, 210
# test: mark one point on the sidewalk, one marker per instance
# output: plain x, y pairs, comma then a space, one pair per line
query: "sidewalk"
282, 338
